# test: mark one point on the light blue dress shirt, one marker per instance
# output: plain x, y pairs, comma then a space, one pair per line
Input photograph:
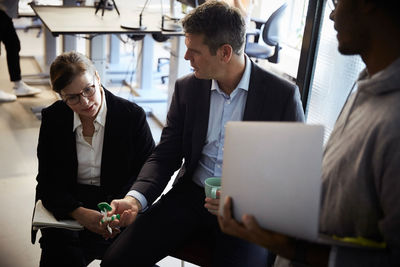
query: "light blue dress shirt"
223, 108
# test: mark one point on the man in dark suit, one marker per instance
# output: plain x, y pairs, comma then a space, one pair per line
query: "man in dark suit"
225, 86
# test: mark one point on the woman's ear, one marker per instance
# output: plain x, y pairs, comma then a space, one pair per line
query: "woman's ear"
97, 76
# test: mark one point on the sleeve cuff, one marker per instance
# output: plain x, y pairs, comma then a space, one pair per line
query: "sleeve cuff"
140, 197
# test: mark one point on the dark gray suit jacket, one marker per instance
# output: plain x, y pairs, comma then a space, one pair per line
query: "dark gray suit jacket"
269, 98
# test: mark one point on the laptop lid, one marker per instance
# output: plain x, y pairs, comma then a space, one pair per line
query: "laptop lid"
272, 170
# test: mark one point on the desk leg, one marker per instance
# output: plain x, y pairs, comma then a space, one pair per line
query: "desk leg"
69, 43
144, 70
50, 50
98, 55
50, 46
114, 49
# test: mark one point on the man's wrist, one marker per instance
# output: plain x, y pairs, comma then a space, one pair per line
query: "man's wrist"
135, 202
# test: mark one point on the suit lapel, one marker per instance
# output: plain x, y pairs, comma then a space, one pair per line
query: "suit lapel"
201, 117
107, 141
255, 96
65, 117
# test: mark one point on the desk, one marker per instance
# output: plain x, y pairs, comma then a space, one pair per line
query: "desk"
64, 20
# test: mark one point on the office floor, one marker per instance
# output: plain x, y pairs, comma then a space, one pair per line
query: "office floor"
19, 129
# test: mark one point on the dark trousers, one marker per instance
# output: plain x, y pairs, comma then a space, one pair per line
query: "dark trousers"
11, 42
169, 223
68, 248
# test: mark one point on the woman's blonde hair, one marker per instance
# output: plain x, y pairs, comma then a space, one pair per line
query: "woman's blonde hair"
66, 67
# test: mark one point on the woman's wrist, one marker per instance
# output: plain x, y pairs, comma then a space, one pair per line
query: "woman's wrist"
76, 214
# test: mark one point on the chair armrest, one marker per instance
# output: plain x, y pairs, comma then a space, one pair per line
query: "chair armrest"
252, 32
259, 22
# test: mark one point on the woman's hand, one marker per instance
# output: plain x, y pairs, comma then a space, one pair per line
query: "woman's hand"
90, 219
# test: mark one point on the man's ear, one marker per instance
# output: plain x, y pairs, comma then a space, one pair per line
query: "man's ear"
225, 52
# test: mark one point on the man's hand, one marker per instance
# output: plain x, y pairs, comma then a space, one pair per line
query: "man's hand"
90, 219
314, 254
249, 229
128, 208
212, 204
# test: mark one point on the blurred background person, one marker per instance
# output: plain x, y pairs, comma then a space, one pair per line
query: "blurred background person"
9, 37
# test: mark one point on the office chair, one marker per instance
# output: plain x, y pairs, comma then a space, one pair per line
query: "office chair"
271, 35
161, 61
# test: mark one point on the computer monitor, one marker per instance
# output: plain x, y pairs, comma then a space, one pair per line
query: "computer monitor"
192, 3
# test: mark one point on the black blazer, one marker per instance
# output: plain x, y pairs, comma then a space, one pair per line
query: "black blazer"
270, 98
127, 144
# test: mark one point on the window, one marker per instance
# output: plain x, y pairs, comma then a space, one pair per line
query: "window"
333, 79
293, 28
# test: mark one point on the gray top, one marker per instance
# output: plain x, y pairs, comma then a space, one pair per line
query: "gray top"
10, 7
361, 173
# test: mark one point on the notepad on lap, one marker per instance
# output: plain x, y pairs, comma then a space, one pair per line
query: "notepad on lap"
43, 218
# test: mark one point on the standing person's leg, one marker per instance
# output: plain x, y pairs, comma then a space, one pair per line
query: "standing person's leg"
160, 230
5, 97
13, 47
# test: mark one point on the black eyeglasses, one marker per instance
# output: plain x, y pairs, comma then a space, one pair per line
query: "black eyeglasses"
73, 99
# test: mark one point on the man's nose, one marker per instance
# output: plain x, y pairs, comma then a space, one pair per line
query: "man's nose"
186, 57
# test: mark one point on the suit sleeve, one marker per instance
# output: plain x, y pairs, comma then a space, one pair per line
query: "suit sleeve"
167, 156
143, 147
294, 108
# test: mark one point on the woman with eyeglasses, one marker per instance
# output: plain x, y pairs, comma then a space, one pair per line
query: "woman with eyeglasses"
91, 147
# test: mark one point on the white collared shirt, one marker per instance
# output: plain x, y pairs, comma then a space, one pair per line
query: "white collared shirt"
89, 155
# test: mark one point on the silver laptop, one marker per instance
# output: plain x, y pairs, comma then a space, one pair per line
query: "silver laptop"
272, 170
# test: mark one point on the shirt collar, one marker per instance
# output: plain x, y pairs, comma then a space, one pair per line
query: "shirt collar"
244, 81
383, 81
101, 115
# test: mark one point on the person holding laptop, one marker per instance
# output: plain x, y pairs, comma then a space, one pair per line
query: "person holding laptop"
361, 170
92, 145
225, 86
